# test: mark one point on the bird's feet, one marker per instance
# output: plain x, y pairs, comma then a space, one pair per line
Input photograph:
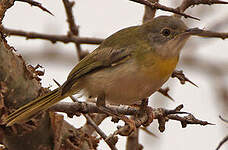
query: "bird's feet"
129, 126
145, 111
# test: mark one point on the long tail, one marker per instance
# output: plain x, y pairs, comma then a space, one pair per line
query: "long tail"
41, 103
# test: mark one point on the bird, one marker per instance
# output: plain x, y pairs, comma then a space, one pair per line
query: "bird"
127, 67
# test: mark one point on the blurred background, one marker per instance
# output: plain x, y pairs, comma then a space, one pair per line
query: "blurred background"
204, 61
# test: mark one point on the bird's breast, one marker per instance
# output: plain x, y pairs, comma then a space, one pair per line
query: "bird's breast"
156, 67
130, 82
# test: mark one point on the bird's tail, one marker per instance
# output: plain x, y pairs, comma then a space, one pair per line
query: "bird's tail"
41, 103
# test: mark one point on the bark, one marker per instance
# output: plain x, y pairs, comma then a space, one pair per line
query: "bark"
18, 85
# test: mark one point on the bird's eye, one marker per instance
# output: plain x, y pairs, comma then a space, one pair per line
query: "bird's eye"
165, 32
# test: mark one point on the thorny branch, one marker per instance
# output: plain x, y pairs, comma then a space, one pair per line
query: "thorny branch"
209, 34
156, 5
188, 3
34, 3
163, 115
88, 40
72, 25
181, 77
70, 18
53, 38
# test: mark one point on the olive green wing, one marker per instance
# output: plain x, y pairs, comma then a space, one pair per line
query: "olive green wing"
113, 51
98, 59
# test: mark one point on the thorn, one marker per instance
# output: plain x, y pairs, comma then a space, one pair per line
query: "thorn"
57, 83
37, 4
208, 123
165, 93
220, 2
178, 108
180, 75
191, 82
149, 132
225, 120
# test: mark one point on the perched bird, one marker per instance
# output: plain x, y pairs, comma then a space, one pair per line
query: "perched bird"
127, 67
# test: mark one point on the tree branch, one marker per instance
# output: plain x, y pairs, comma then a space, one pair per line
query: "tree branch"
133, 141
188, 3
155, 5
224, 140
209, 34
149, 12
53, 38
110, 141
72, 25
159, 113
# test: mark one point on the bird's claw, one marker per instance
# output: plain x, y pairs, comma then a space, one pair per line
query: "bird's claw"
128, 128
150, 116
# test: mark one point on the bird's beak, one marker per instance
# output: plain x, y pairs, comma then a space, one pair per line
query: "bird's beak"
192, 31
187, 33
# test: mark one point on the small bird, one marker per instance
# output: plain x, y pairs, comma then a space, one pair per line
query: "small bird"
126, 68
